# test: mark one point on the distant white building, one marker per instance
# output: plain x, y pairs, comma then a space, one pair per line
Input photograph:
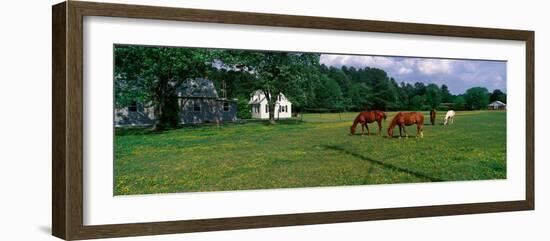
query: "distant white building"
496, 105
260, 110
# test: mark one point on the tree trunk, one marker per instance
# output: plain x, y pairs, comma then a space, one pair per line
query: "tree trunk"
160, 104
157, 126
271, 105
158, 112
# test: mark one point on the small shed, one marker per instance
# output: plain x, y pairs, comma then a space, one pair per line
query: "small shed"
496, 105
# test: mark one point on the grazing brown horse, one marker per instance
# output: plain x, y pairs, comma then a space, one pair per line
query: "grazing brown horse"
366, 117
406, 119
432, 117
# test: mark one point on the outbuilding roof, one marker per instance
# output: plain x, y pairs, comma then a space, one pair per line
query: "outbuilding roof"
199, 87
497, 103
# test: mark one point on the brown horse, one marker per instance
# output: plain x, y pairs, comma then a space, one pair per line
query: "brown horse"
407, 119
366, 117
432, 117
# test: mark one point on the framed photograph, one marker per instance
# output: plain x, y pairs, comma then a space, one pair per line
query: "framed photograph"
171, 120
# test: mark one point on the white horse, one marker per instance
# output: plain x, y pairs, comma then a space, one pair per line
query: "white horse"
449, 117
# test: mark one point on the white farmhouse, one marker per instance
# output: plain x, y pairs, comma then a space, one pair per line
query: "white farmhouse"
260, 110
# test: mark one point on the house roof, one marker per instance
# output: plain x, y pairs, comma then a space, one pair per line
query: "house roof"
199, 87
255, 97
497, 103
258, 96
254, 102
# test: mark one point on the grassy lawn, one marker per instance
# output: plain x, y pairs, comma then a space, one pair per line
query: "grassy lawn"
315, 152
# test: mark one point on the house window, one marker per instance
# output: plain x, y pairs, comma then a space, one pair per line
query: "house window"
132, 107
266, 109
196, 107
225, 106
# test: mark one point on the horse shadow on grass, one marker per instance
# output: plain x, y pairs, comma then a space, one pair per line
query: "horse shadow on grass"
371, 134
382, 164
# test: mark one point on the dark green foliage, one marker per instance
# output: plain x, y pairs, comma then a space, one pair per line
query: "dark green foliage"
460, 102
433, 96
446, 96
243, 109
419, 88
328, 94
359, 96
498, 95
417, 102
476, 98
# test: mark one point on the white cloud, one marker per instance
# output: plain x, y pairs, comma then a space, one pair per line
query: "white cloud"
400, 66
383, 62
409, 62
357, 61
468, 77
404, 70
434, 66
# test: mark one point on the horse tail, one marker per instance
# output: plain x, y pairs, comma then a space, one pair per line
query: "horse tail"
380, 115
420, 117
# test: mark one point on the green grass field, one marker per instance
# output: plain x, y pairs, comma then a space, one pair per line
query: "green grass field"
310, 153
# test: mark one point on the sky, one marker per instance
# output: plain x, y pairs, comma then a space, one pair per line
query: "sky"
458, 75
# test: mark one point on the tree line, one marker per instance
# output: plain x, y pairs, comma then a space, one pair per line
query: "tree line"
152, 74
354, 89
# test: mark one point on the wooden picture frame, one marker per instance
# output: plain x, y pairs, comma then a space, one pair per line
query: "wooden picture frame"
67, 124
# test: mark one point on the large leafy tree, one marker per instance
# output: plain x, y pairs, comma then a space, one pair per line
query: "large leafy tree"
476, 98
459, 102
150, 75
275, 73
360, 95
417, 102
433, 95
329, 94
446, 95
378, 91
498, 95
